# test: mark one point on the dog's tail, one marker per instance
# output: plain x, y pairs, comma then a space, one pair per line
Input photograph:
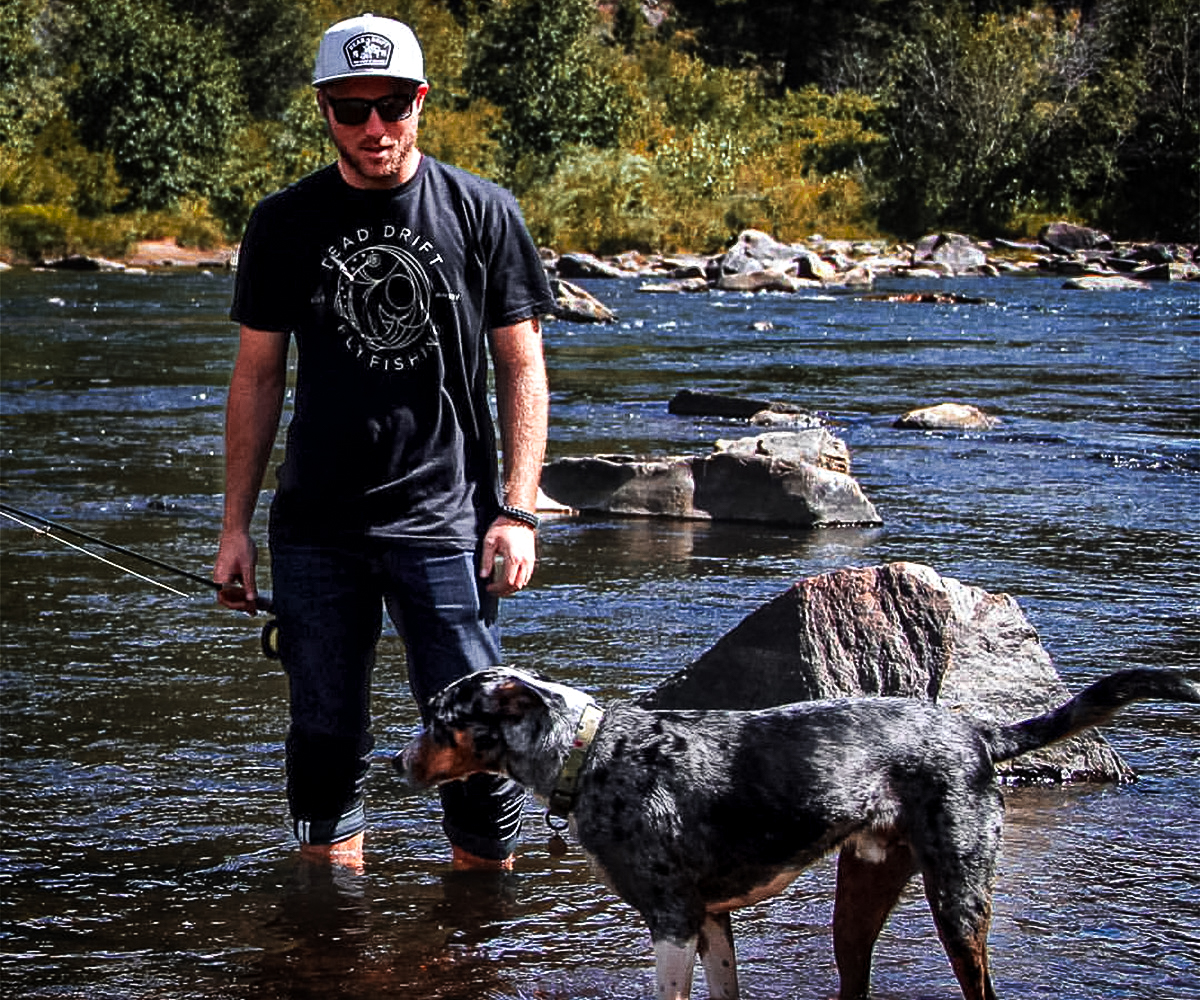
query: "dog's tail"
1093, 706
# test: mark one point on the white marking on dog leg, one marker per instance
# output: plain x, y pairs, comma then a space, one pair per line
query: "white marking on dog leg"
871, 848
717, 956
673, 965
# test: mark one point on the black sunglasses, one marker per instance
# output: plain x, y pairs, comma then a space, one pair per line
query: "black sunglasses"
356, 110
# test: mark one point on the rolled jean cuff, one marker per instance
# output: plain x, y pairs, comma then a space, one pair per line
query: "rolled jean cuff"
482, 815
331, 831
482, 847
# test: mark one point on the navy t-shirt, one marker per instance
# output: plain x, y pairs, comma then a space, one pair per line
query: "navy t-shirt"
389, 294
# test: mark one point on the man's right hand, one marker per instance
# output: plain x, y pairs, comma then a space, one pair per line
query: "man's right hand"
237, 558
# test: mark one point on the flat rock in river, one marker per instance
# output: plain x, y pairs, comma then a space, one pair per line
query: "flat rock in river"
1104, 283
722, 486
947, 416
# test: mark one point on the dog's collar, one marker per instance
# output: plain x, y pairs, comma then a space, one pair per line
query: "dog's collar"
562, 799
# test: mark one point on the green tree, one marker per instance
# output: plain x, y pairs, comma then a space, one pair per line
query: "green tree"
1153, 48
157, 91
967, 106
541, 63
273, 42
30, 89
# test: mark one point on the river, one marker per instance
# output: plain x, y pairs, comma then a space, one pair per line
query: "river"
145, 853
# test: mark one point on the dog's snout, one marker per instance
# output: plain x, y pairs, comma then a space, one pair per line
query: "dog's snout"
406, 760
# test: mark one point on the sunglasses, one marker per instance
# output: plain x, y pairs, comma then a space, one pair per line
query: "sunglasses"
356, 110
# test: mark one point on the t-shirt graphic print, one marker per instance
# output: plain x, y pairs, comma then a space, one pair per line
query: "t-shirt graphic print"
383, 303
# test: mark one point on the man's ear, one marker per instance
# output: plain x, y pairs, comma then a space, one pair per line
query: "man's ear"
323, 107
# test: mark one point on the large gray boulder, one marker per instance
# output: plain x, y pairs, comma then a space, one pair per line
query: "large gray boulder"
754, 251
722, 486
955, 252
577, 305
815, 445
898, 630
1066, 237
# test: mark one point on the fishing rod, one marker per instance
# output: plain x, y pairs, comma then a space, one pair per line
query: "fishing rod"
43, 526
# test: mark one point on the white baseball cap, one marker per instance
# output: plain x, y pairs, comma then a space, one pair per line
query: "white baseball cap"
369, 46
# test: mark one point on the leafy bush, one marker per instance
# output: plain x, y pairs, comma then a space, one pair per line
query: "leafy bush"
603, 201
37, 232
59, 170
463, 136
190, 224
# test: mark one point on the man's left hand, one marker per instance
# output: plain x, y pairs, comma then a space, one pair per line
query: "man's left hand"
509, 556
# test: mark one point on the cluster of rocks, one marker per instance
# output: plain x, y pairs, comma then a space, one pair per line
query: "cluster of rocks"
794, 472
757, 262
791, 471
899, 630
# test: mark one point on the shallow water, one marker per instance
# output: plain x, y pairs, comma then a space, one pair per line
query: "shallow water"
144, 851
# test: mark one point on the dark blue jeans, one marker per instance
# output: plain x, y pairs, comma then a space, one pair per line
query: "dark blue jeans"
329, 601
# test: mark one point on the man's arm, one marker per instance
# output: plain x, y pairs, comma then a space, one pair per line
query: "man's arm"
251, 422
522, 403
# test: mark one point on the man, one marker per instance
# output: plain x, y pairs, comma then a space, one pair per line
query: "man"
396, 274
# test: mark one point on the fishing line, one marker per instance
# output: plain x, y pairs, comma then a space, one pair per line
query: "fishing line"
87, 552
48, 527
44, 526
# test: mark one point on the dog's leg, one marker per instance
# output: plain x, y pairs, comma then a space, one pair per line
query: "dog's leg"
717, 957
673, 966
958, 884
963, 927
867, 890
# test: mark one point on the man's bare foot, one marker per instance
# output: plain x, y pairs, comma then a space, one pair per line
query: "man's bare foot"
466, 861
347, 853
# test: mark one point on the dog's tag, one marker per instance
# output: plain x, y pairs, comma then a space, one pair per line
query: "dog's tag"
557, 845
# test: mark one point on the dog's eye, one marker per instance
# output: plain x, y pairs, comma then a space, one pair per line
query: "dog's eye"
484, 740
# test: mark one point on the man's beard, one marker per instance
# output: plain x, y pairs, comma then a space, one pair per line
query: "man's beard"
386, 168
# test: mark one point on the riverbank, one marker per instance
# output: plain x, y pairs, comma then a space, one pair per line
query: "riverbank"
756, 261
145, 255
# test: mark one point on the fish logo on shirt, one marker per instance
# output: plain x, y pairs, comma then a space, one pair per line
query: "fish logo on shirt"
382, 301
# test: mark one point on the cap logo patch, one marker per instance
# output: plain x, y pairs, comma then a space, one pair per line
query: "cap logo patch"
368, 51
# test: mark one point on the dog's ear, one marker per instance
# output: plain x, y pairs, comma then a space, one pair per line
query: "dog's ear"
515, 699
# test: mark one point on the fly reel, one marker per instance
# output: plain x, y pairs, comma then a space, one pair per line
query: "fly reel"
270, 640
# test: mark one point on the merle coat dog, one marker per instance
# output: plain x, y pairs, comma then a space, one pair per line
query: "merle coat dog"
690, 815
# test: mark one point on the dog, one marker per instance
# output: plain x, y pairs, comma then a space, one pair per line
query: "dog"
689, 815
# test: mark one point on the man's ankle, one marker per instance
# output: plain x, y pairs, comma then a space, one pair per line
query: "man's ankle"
346, 852
466, 861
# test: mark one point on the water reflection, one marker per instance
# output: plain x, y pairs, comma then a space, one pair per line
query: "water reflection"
325, 932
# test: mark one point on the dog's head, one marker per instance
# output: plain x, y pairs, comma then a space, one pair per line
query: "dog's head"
500, 720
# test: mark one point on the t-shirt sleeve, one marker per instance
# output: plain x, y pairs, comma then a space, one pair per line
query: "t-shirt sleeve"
518, 288
262, 297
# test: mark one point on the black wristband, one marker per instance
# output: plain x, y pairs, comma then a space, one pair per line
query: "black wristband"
527, 518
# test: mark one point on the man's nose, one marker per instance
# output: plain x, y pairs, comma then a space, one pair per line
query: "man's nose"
375, 124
